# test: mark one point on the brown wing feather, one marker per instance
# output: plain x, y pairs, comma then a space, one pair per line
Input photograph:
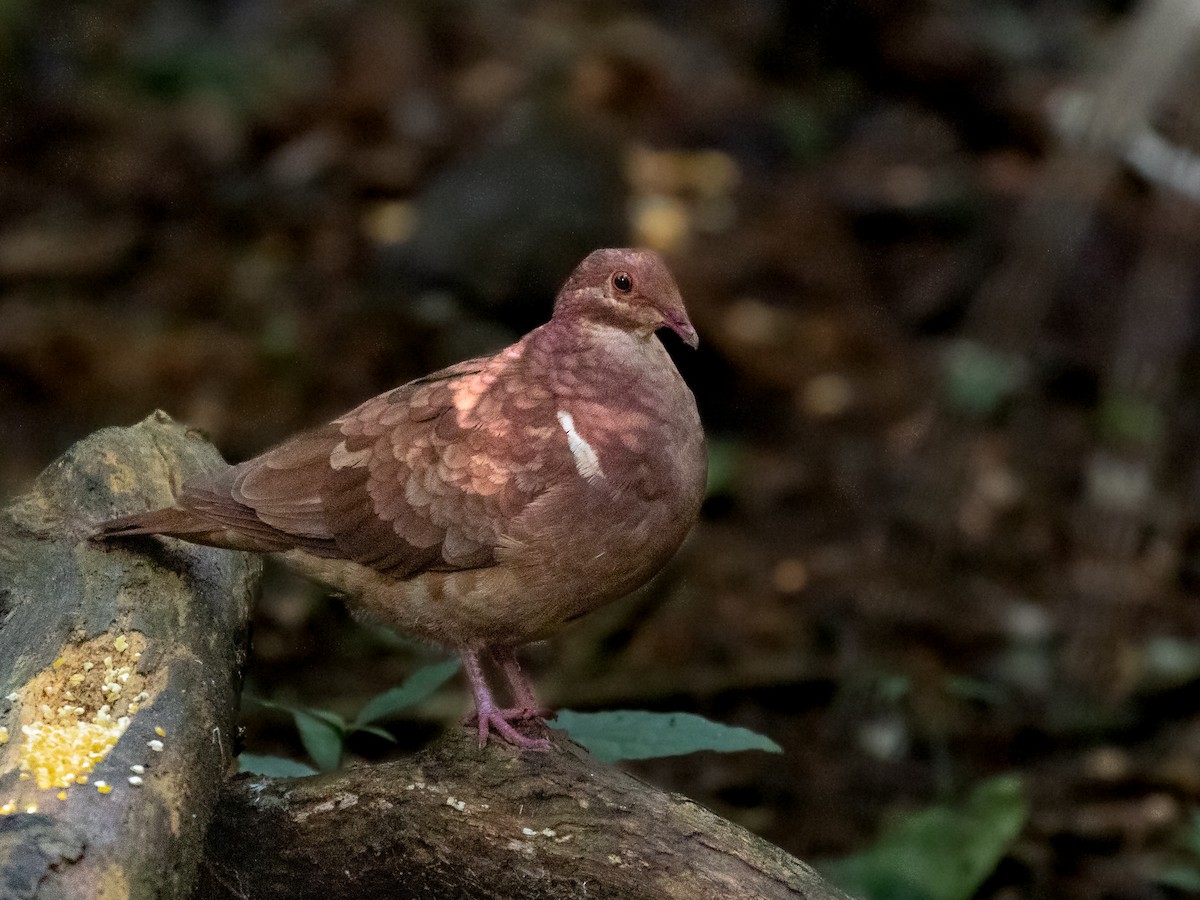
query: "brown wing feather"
417, 479
277, 511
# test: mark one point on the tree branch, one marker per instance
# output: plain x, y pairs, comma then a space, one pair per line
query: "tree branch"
460, 822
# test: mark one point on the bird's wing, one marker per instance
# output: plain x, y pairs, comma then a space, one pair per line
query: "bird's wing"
420, 478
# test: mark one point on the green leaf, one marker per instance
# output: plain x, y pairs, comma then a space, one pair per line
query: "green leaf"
1169, 662
1183, 878
419, 685
331, 718
334, 720
939, 853
275, 766
637, 734
377, 731
1191, 834
724, 463
321, 738
893, 688
977, 379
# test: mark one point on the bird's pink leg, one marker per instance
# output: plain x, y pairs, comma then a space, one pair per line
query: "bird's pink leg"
490, 716
525, 702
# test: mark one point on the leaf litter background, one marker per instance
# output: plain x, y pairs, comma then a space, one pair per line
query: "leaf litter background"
943, 260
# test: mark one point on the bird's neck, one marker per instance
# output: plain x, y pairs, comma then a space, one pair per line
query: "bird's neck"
589, 352
596, 342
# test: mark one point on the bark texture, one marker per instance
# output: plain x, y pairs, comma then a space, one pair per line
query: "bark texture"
460, 822
130, 652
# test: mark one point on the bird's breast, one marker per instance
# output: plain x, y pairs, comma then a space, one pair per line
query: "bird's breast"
630, 477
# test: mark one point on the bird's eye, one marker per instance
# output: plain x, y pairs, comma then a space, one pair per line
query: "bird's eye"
622, 282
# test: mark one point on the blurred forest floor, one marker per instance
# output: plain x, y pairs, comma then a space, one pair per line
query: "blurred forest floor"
947, 361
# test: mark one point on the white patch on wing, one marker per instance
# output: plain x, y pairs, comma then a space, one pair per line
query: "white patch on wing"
587, 463
341, 458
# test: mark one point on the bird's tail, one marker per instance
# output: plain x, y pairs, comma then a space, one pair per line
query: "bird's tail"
172, 522
191, 526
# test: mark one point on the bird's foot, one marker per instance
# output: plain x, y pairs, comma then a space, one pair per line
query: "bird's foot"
490, 717
501, 721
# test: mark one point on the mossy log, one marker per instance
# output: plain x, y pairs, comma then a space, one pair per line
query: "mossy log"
134, 650
120, 676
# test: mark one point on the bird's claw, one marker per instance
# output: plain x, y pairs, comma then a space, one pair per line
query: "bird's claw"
500, 721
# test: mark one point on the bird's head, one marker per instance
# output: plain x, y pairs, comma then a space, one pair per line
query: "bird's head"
630, 289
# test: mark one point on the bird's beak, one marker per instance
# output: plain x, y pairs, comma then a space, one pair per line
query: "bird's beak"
682, 327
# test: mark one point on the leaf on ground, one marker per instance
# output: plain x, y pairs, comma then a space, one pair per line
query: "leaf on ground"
638, 734
275, 766
419, 685
938, 853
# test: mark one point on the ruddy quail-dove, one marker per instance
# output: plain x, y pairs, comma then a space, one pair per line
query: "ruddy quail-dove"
490, 503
